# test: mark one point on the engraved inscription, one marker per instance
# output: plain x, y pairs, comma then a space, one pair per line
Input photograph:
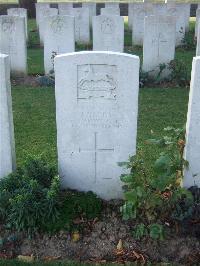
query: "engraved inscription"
159, 41
57, 25
8, 25
97, 81
107, 26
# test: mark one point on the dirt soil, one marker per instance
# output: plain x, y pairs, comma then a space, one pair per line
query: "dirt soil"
99, 242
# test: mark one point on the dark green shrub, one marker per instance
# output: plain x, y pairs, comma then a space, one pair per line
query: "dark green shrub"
178, 73
30, 196
38, 169
31, 200
77, 206
189, 42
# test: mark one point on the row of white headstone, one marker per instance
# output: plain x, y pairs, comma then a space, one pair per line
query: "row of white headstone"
108, 34
136, 14
96, 115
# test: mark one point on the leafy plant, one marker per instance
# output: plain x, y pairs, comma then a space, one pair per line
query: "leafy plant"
31, 200
189, 42
178, 72
30, 196
77, 208
153, 200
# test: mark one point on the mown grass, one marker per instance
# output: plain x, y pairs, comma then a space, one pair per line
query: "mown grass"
54, 263
35, 125
35, 52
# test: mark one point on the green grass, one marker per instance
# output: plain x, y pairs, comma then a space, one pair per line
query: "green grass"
35, 126
55, 263
35, 53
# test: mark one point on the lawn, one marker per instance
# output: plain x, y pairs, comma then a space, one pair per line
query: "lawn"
35, 127
34, 108
35, 117
35, 52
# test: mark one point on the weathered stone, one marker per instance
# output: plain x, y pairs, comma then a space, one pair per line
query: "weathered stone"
82, 24
109, 11
198, 42
43, 14
7, 147
92, 10
179, 13
64, 8
192, 147
39, 7
108, 33
159, 42
22, 12
197, 21
140, 11
96, 112
58, 38
13, 42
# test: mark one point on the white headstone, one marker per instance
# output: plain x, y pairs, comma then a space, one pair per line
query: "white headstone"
39, 7
43, 14
96, 113
197, 21
160, 9
7, 147
110, 11
108, 33
159, 42
21, 12
64, 8
92, 10
187, 8
82, 24
13, 42
58, 38
192, 148
130, 15
198, 42
112, 5
179, 13
139, 13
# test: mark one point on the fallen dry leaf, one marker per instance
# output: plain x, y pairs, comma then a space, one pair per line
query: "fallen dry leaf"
51, 258
75, 236
119, 245
26, 258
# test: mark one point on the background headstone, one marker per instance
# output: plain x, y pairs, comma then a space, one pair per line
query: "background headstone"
110, 11
198, 42
108, 33
7, 147
92, 10
13, 42
197, 21
82, 24
46, 12
159, 42
192, 148
64, 8
58, 38
38, 8
130, 15
22, 12
139, 13
112, 5
96, 113
179, 13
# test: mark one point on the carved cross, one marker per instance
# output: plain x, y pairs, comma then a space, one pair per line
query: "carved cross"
96, 151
